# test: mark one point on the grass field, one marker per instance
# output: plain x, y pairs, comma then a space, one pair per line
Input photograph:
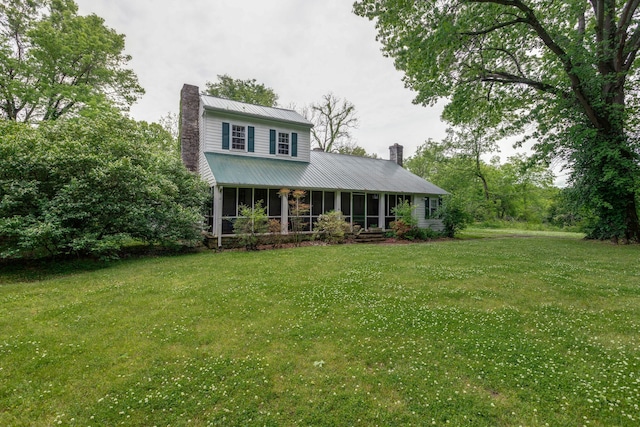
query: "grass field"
501, 331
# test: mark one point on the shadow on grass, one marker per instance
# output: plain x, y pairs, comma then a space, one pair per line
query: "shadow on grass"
33, 270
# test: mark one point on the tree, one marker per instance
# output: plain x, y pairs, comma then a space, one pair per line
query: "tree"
248, 91
333, 119
54, 63
356, 150
88, 186
565, 71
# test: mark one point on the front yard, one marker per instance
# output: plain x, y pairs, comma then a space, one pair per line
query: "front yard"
504, 331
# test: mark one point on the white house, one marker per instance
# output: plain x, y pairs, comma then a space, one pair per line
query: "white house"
247, 153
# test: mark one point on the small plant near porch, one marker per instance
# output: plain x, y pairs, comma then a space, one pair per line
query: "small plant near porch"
405, 221
331, 227
250, 225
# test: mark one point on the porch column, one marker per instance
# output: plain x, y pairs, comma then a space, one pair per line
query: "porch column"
217, 213
284, 217
337, 203
381, 213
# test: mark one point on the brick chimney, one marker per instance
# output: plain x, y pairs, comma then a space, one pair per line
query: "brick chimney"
189, 126
395, 153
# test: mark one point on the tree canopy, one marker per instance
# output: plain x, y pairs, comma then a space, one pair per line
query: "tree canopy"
54, 63
249, 91
561, 72
90, 185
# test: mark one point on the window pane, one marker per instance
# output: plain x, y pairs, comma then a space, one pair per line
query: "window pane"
237, 137
283, 143
229, 201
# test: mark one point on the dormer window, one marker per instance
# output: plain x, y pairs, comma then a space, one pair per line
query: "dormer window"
238, 137
283, 143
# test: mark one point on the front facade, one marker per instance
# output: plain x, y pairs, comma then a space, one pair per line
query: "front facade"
249, 153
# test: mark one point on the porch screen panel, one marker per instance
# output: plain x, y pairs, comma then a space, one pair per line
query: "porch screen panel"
329, 201
345, 203
229, 201
316, 203
275, 208
260, 194
245, 197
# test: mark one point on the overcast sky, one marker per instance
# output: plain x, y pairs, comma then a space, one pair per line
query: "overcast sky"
302, 49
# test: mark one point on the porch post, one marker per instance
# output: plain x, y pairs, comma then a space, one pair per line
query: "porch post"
284, 216
381, 213
338, 202
217, 213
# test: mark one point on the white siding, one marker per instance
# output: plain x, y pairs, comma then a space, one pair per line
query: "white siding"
419, 212
211, 136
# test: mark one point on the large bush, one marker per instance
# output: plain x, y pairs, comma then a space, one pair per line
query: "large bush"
90, 185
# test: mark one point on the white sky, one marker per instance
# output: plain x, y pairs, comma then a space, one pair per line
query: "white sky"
302, 49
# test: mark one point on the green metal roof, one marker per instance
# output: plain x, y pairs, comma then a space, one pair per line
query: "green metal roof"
325, 171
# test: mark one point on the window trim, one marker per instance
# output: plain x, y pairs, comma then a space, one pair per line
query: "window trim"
279, 142
233, 137
431, 212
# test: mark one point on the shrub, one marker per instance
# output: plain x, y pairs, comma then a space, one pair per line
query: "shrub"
88, 186
454, 217
251, 223
331, 227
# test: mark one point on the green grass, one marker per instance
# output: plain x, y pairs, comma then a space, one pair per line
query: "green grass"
488, 332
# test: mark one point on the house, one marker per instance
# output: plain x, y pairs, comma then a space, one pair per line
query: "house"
248, 153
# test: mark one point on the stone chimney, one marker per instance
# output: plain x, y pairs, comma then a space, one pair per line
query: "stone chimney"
395, 153
189, 126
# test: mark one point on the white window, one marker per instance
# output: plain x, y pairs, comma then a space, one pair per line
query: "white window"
283, 143
238, 137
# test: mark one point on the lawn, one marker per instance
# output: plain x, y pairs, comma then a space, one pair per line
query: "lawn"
501, 331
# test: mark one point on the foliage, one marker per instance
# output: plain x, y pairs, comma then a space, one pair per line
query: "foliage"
454, 216
90, 185
538, 331
274, 226
331, 227
54, 63
250, 224
519, 189
405, 224
569, 84
404, 211
355, 150
248, 91
298, 211
333, 118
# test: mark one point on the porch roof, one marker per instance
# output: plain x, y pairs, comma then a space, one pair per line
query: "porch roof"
325, 171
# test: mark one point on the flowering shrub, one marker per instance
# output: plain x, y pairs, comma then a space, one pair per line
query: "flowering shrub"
331, 227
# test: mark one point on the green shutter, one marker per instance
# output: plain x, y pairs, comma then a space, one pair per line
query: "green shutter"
294, 144
252, 133
225, 136
272, 141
